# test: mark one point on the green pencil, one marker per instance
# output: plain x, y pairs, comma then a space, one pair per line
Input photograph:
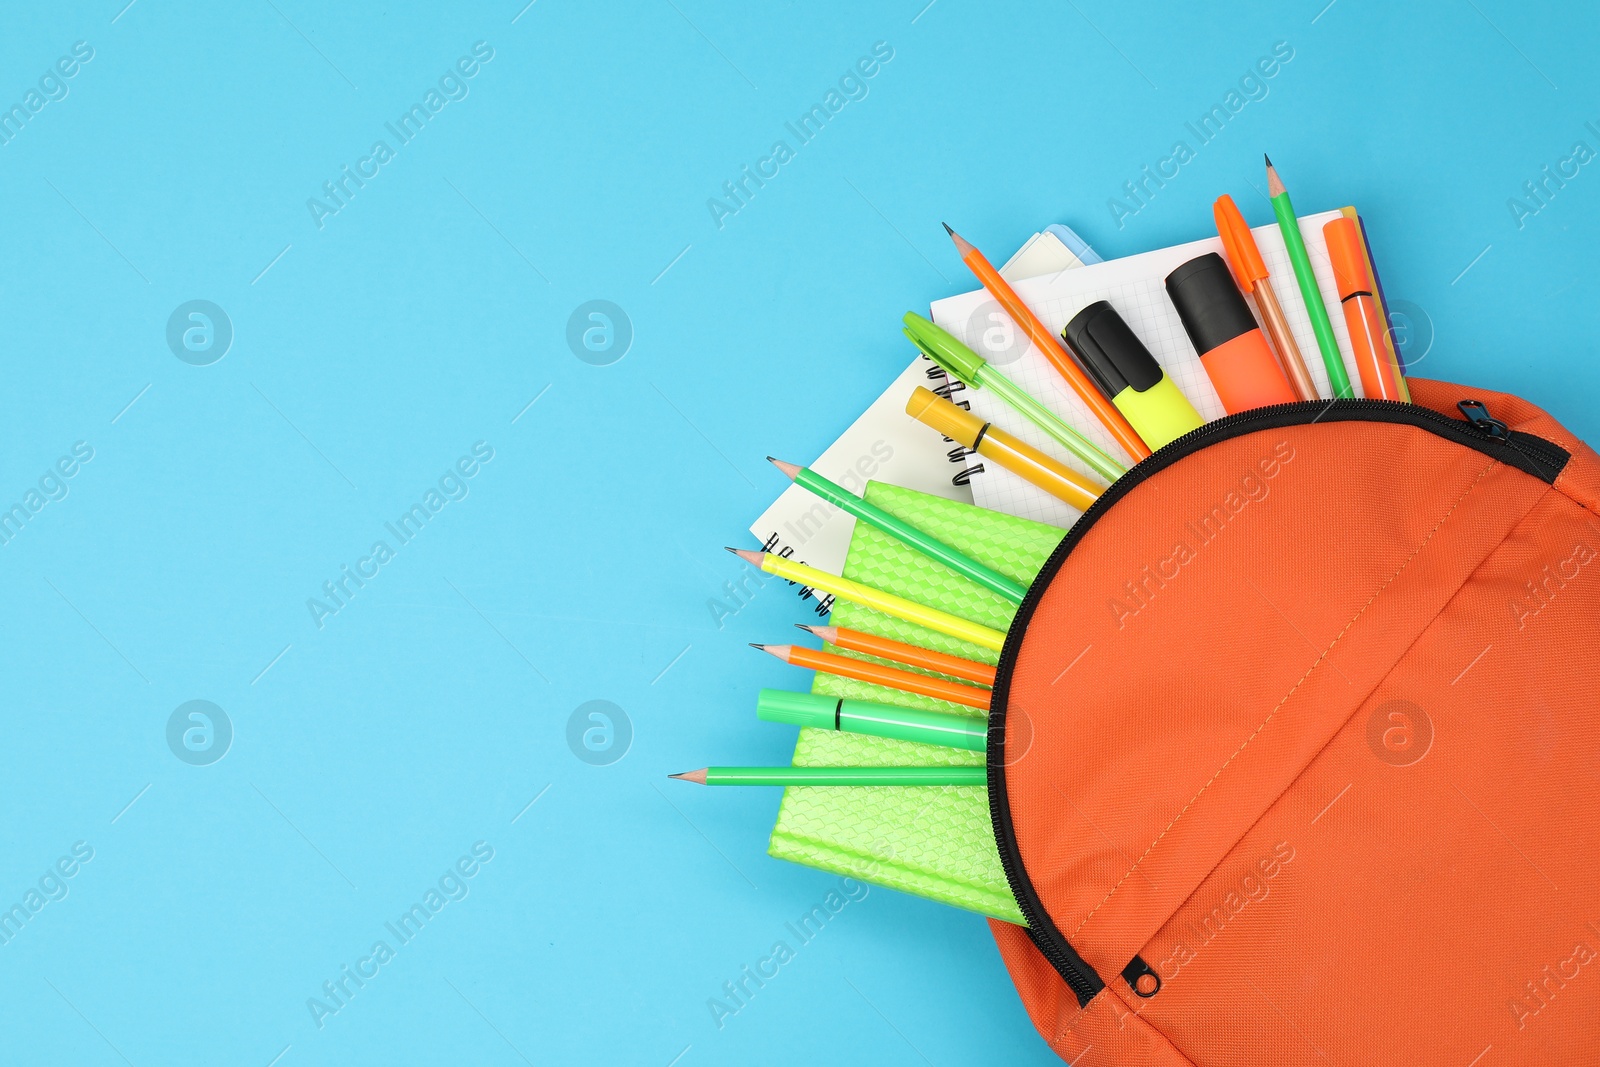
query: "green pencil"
1338, 380
867, 717
903, 531
785, 776
966, 366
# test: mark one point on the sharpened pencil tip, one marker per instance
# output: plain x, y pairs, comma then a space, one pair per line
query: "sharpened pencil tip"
1267, 158
698, 777
808, 629
947, 229
752, 644
790, 470
752, 558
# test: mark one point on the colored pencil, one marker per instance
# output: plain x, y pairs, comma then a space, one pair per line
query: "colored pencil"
867, 596
889, 677
902, 531
786, 776
1047, 344
1295, 243
900, 652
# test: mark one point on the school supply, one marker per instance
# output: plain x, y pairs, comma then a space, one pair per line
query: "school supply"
966, 366
880, 674
1310, 292
1380, 378
990, 441
1251, 273
879, 720
1125, 371
843, 588
836, 776
900, 652
1046, 344
1231, 346
931, 547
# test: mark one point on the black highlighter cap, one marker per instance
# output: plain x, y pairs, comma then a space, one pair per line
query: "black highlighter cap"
1109, 351
1210, 305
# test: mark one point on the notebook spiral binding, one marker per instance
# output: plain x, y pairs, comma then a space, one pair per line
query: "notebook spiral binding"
956, 455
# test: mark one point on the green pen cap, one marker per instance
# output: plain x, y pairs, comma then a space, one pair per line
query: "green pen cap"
798, 709
941, 346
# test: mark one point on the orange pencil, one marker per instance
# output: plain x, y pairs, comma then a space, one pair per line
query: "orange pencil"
900, 652
1379, 375
1049, 346
1250, 271
876, 673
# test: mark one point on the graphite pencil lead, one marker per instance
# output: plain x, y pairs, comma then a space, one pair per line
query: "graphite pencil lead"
1267, 158
698, 777
827, 633
947, 229
1274, 183
752, 644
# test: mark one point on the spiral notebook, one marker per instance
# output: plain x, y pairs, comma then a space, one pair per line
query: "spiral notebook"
886, 444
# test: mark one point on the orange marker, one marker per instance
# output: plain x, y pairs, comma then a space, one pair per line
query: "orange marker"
1046, 343
1379, 375
1250, 271
878, 674
914, 655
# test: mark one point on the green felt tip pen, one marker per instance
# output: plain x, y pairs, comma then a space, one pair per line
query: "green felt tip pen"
880, 720
1295, 243
966, 366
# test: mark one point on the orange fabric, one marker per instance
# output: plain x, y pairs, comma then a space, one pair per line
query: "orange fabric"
1314, 737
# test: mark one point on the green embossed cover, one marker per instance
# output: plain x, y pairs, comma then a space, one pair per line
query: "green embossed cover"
934, 842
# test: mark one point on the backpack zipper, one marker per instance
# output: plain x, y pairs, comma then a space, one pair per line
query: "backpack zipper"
1479, 430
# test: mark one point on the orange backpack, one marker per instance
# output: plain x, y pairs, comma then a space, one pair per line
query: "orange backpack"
1294, 756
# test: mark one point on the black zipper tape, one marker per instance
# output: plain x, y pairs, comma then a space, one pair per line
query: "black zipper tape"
1480, 431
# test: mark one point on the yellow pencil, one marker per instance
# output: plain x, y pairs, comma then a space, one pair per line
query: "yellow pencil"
877, 599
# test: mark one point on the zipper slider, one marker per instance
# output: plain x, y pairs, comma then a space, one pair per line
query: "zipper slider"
1477, 414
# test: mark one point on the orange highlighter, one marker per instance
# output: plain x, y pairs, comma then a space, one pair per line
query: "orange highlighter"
1380, 378
1218, 321
1250, 271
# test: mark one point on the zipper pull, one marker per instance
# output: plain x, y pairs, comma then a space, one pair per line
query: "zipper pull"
1477, 414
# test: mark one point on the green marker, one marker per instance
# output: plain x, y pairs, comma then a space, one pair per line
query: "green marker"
1338, 380
880, 720
903, 531
786, 776
966, 366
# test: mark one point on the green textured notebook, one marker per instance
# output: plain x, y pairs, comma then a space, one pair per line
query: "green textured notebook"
934, 842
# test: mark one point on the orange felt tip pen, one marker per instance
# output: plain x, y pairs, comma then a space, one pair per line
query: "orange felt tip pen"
1250, 271
1219, 323
1379, 375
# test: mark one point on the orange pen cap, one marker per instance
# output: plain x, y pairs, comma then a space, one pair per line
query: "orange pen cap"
1239, 244
1348, 256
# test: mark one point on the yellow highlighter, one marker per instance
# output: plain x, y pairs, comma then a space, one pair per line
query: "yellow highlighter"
991, 442
1112, 354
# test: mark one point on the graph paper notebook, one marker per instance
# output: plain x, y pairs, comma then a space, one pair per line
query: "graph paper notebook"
934, 842
1134, 286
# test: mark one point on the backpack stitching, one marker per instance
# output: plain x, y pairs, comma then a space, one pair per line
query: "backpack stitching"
1293, 689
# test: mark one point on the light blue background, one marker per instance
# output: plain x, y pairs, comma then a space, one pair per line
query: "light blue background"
426, 315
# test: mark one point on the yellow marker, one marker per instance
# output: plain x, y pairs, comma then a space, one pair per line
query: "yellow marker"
991, 442
865, 595
1129, 375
